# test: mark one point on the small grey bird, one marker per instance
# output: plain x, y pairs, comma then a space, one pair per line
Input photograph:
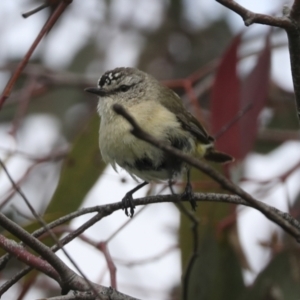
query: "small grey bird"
160, 112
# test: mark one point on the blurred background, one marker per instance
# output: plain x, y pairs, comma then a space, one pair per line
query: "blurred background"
49, 143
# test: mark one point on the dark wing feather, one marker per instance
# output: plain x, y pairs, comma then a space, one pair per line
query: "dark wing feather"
173, 103
192, 125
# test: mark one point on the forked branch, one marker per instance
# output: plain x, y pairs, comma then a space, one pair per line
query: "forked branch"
290, 22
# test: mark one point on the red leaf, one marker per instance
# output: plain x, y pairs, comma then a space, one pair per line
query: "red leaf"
236, 107
225, 101
254, 92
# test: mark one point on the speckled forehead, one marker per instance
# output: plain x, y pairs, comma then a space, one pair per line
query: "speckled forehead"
120, 77
109, 78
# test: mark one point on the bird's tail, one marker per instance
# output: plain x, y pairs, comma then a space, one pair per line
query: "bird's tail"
212, 155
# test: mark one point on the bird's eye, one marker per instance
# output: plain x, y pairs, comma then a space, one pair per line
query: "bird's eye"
124, 88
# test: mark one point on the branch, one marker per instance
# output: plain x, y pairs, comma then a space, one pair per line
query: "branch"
110, 263
28, 258
138, 132
109, 294
250, 17
290, 22
64, 272
107, 209
76, 282
35, 10
47, 27
147, 260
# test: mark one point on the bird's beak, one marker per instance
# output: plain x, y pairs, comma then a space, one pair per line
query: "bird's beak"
96, 91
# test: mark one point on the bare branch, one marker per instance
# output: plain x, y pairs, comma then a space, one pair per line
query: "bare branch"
75, 282
108, 294
138, 132
28, 258
147, 260
65, 272
47, 27
250, 17
105, 210
290, 22
23, 105
39, 247
110, 264
35, 10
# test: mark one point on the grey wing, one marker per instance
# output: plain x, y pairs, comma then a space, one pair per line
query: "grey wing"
188, 122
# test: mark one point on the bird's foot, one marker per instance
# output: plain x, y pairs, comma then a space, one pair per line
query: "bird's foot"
127, 203
189, 195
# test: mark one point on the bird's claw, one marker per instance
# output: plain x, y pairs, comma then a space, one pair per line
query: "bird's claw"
188, 194
127, 202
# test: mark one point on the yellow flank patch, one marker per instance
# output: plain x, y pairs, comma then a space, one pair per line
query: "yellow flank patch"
201, 149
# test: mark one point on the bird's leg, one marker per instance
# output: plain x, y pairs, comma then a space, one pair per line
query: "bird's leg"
188, 191
127, 201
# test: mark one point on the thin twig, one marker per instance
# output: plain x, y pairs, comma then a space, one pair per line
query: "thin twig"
77, 283
290, 22
65, 272
250, 17
23, 105
237, 117
35, 10
147, 260
51, 157
47, 27
110, 263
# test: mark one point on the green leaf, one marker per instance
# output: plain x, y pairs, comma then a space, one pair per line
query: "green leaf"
216, 273
80, 171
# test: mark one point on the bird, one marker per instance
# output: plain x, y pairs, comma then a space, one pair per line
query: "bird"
160, 112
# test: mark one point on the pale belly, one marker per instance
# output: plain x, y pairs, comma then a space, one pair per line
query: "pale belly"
139, 158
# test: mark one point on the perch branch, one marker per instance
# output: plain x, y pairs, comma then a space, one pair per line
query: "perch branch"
107, 209
138, 132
